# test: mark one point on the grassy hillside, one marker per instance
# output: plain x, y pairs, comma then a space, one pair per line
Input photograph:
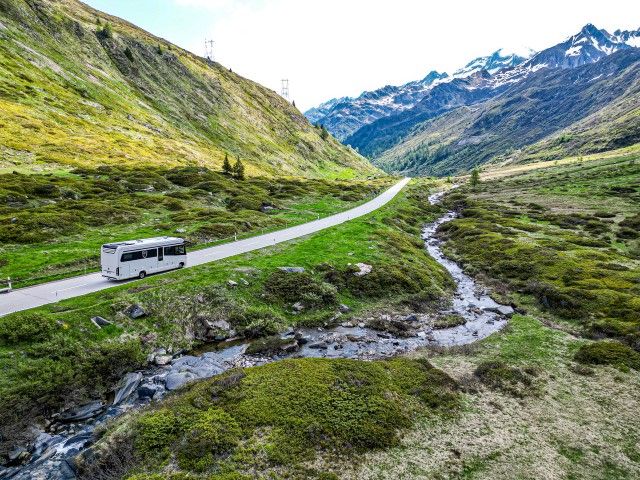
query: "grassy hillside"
564, 239
81, 88
551, 114
48, 229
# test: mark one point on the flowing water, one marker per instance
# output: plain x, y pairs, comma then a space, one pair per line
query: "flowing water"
51, 456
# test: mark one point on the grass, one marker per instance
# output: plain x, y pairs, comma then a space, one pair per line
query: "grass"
52, 225
57, 367
528, 412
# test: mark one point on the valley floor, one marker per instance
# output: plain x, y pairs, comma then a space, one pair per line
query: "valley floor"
553, 395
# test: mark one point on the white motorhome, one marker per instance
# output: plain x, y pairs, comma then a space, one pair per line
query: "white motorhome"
139, 258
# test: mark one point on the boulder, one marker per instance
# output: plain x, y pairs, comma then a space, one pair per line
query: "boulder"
342, 308
363, 269
83, 412
18, 456
135, 311
173, 381
267, 208
232, 283
161, 360
148, 390
128, 384
292, 269
298, 306
180, 230
100, 322
504, 310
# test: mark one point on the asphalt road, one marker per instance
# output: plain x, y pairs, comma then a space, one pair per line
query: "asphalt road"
43, 294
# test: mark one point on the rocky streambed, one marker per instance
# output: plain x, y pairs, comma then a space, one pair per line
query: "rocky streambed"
52, 455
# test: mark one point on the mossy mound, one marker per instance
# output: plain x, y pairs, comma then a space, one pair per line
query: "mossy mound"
608, 352
281, 414
516, 381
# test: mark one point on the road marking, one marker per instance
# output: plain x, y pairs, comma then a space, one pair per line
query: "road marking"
71, 288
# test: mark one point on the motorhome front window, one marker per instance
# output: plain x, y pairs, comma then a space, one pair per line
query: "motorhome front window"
175, 250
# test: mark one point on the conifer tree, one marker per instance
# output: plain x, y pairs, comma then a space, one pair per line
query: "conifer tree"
474, 180
226, 165
238, 170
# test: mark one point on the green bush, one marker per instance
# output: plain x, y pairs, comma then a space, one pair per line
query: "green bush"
156, 431
25, 327
608, 352
516, 381
294, 287
213, 434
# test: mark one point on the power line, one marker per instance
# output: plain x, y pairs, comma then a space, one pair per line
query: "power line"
285, 88
208, 49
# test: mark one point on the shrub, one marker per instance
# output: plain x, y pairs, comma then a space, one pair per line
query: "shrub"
213, 434
294, 287
256, 322
25, 327
608, 352
268, 346
129, 54
159, 429
515, 381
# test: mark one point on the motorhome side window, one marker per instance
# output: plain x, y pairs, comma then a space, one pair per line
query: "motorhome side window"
175, 250
139, 255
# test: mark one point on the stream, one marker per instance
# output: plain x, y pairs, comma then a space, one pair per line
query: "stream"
52, 454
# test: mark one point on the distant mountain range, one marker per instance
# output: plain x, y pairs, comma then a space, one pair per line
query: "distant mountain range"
409, 128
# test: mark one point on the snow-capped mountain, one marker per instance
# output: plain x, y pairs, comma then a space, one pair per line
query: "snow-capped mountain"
316, 114
589, 45
498, 60
345, 115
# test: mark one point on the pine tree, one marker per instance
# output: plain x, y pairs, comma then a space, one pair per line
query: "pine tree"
323, 132
226, 165
238, 170
474, 180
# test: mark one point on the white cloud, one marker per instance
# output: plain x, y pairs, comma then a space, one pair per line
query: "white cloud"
340, 47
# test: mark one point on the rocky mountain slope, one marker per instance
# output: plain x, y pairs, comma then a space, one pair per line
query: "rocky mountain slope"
601, 100
416, 138
344, 116
79, 87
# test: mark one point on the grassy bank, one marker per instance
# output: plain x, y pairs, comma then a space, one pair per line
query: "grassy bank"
564, 240
54, 356
52, 225
530, 411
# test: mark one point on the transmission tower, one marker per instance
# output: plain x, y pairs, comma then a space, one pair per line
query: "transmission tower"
285, 88
208, 49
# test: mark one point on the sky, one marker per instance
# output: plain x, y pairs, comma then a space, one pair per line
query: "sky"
335, 48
